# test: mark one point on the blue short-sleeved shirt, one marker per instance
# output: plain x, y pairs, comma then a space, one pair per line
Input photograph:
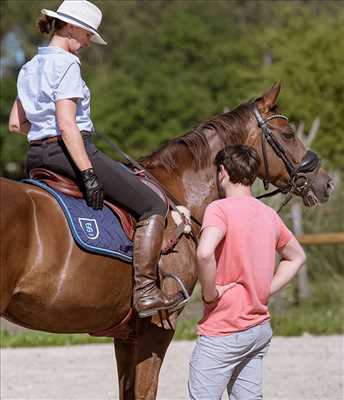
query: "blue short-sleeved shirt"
52, 74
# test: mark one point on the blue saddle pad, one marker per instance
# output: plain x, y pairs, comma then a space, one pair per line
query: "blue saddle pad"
97, 231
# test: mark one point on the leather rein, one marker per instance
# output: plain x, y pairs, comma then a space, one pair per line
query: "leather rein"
173, 202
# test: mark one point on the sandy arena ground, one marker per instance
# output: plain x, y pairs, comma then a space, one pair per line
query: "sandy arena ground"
300, 368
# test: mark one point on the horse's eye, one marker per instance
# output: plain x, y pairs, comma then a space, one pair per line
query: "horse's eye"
288, 135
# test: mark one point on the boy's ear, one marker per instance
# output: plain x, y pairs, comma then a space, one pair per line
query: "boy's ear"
223, 170
220, 170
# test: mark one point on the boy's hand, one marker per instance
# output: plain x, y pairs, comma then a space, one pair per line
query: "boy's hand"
222, 289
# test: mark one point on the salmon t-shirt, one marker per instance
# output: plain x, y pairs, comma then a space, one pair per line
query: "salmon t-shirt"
246, 256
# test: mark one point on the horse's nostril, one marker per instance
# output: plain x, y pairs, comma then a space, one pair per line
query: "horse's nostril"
330, 186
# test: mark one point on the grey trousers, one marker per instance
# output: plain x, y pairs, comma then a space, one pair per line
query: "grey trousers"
234, 361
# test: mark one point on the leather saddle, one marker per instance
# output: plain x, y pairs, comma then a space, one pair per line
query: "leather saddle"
69, 187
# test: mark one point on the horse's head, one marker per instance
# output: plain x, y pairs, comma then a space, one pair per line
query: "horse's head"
285, 162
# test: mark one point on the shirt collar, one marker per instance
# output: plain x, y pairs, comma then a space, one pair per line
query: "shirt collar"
57, 50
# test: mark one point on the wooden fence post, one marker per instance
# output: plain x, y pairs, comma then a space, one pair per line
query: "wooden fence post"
304, 290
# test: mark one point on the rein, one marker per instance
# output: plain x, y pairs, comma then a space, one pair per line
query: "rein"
173, 202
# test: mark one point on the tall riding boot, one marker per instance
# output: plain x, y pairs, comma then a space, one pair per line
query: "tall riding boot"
148, 298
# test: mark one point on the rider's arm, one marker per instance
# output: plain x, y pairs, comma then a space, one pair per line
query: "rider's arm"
18, 123
65, 114
293, 257
206, 262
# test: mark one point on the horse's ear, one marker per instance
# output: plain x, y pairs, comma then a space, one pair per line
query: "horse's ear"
269, 98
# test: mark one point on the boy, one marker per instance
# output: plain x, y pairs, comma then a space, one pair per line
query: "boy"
236, 264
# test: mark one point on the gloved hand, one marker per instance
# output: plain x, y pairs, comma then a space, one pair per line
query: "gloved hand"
93, 189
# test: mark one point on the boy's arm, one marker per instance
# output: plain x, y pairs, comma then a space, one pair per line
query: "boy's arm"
293, 257
206, 262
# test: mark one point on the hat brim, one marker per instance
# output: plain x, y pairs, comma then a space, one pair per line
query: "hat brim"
96, 38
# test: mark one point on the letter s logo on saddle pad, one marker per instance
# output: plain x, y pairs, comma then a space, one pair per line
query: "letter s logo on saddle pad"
90, 227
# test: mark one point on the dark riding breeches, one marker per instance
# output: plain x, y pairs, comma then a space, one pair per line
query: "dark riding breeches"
120, 185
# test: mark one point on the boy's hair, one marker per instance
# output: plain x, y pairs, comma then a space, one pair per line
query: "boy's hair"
240, 161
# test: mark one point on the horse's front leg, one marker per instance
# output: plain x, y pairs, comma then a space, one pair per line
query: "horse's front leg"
139, 361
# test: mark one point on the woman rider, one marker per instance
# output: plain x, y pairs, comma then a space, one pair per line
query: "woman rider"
53, 109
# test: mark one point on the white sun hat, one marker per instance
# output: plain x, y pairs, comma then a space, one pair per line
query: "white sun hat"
79, 13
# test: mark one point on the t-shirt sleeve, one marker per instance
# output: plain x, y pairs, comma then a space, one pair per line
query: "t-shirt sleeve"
214, 216
284, 234
71, 84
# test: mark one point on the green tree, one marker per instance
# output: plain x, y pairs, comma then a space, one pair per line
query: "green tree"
306, 54
171, 64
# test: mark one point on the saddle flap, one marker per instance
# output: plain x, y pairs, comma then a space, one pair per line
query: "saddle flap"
69, 187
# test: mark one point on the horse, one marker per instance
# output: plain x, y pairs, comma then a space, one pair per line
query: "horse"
48, 283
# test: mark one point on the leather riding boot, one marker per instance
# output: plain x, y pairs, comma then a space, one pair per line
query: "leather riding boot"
148, 298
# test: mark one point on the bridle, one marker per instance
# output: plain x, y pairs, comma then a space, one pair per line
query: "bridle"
298, 180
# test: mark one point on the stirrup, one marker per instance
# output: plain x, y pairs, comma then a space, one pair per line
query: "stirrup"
155, 311
184, 291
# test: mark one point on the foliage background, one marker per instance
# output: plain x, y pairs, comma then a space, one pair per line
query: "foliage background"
171, 64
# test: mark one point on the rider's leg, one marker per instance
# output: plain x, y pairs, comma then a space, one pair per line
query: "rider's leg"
148, 298
126, 189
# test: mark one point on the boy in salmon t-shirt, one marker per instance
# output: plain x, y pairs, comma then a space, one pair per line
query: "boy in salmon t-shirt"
236, 266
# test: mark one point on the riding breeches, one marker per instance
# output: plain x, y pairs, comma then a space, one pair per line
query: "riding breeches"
119, 183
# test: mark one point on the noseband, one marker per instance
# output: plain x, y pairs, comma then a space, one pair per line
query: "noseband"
298, 180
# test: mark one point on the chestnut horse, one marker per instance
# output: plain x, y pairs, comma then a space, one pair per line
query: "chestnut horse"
48, 283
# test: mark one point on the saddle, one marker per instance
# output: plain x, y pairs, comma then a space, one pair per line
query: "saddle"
128, 222
69, 187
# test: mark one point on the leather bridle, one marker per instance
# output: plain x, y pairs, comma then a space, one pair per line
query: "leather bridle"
298, 179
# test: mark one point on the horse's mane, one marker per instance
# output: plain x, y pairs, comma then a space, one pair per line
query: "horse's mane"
229, 126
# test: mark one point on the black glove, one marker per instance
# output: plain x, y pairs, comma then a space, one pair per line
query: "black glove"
94, 191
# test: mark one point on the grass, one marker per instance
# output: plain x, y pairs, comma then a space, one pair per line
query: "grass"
299, 320
296, 321
42, 339
322, 314
185, 331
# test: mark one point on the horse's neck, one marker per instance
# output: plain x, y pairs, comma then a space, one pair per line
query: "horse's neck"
199, 190
193, 189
